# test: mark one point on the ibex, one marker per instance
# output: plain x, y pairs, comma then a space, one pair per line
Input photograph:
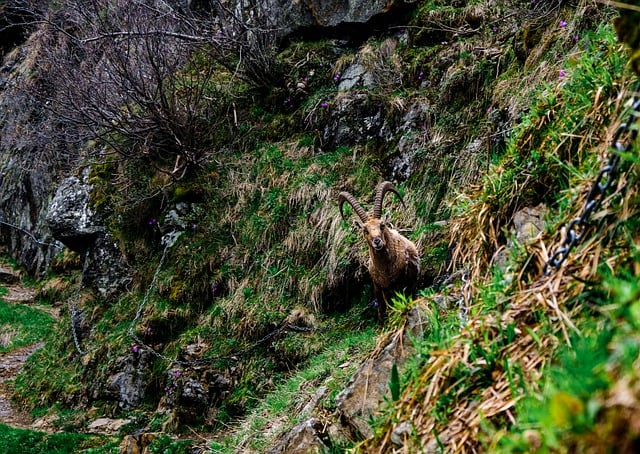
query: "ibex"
394, 264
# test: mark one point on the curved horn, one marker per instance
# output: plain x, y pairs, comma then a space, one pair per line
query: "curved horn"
346, 197
381, 190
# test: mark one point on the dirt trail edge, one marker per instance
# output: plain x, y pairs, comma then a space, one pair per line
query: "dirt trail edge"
11, 362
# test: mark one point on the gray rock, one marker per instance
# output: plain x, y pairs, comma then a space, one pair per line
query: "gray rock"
401, 433
107, 426
302, 439
32, 158
70, 218
128, 385
290, 16
369, 386
355, 119
191, 395
353, 76
527, 224
73, 223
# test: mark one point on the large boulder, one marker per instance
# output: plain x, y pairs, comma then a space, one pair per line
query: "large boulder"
327, 13
289, 17
70, 218
73, 222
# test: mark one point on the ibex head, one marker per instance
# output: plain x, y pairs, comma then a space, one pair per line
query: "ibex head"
373, 226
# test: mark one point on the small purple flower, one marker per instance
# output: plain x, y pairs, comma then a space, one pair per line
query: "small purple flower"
561, 74
324, 104
166, 389
563, 24
420, 75
178, 373
135, 349
494, 28
152, 221
575, 38
376, 304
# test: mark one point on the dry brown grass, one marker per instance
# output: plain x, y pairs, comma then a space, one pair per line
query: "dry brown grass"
7, 334
530, 351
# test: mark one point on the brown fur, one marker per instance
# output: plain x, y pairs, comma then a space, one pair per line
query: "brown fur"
394, 262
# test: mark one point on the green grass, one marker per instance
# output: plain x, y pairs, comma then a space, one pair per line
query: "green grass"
13, 441
22, 325
332, 367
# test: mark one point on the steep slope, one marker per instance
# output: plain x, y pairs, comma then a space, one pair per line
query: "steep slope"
248, 296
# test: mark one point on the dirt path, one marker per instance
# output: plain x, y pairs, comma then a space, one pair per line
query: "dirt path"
10, 364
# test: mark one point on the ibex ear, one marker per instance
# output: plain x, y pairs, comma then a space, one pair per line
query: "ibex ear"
357, 224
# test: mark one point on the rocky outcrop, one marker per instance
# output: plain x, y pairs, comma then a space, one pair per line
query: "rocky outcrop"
31, 159
369, 386
195, 394
73, 223
355, 119
361, 399
292, 16
302, 439
127, 385
70, 218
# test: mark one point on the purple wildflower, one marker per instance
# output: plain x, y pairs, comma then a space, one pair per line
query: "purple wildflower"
561, 74
135, 349
563, 24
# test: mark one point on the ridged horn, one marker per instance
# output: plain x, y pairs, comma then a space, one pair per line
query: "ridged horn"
381, 190
346, 197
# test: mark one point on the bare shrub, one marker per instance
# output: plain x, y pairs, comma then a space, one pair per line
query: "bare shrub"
145, 77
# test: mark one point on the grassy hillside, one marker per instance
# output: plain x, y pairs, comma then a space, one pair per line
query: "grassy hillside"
476, 110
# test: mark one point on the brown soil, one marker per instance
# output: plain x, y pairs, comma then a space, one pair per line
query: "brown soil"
10, 364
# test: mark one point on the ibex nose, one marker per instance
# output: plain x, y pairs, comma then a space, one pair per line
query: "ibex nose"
377, 243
